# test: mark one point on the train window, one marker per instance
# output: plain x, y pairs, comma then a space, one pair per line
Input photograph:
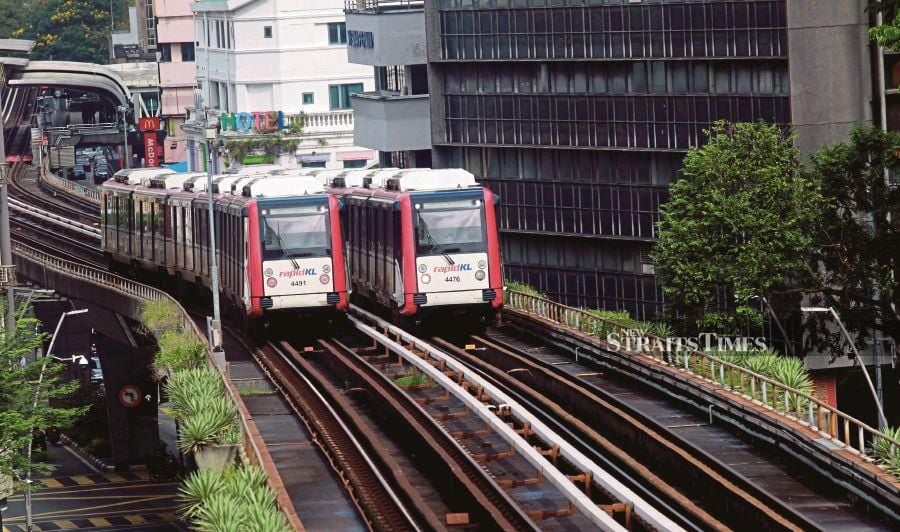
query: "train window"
295, 232
449, 226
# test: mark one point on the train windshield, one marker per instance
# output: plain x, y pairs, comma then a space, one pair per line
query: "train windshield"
450, 227
295, 232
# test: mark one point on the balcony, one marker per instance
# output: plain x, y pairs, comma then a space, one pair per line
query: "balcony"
389, 121
385, 33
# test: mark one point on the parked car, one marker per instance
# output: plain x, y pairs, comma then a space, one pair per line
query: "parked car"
102, 170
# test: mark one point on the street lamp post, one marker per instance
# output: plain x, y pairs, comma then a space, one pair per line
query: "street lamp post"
882, 420
29, 523
126, 160
7, 275
216, 325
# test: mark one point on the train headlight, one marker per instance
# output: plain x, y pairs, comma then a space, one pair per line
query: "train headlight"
271, 281
269, 272
324, 279
326, 268
479, 275
423, 268
482, 264
425, 278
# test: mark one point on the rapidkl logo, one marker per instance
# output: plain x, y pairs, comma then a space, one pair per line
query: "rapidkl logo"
453, 268
298, 273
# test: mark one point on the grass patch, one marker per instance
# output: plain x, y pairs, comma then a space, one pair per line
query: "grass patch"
161, 315
413, 379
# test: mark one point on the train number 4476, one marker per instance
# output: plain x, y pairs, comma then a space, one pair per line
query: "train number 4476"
452, 279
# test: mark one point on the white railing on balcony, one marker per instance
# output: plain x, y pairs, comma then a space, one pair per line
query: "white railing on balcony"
827, 421
380, 6
330, 122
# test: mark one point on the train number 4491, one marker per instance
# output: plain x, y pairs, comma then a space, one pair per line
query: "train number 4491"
298, 283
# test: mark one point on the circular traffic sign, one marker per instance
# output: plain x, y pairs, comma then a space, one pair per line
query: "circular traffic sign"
130, 396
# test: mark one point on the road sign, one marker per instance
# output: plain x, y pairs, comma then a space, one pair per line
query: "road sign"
130, 396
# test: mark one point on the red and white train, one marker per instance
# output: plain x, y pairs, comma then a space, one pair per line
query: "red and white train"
278, 238
420, 241
411, 241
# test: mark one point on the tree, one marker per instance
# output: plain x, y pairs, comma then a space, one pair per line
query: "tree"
857, 260
67, 30
18, 391
739, 221
887, 34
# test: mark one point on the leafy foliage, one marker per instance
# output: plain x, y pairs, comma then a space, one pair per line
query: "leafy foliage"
524, 288
237, 499
65, 30
886, 34
740, 219
886, 452
24, 404
858, 240
178, 351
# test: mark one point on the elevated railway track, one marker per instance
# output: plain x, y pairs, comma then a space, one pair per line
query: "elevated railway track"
517, 432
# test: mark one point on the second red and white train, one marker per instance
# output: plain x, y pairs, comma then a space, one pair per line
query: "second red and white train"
413, 242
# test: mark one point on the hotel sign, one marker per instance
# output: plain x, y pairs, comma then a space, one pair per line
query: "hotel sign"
266, 121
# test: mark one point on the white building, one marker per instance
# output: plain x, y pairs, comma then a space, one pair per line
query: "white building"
263, 56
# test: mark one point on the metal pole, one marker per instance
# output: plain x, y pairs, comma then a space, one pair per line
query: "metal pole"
37, 390
213, 266
787, 342
5, 238
126, 161
882, 420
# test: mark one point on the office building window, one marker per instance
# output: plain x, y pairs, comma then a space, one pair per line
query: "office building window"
308, 98
339, 95
337, 33
360, 163
267, 32
187, 51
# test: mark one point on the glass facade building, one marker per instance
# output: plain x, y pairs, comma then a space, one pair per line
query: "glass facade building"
578, 113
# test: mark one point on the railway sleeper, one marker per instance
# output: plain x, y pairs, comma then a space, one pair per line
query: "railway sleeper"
540, 515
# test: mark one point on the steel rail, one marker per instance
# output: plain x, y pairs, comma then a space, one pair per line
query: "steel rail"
47, 216
440, 451
643, 510
389, 521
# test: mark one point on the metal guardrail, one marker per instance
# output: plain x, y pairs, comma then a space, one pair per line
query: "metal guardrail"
848, 432
55, 219
88, 193
249, 433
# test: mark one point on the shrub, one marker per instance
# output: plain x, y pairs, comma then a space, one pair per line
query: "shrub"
793, 373
886, 452
250, 503
524, 288
179, 351
161, 315
221, 513
188, 389
208, 425
198, 487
